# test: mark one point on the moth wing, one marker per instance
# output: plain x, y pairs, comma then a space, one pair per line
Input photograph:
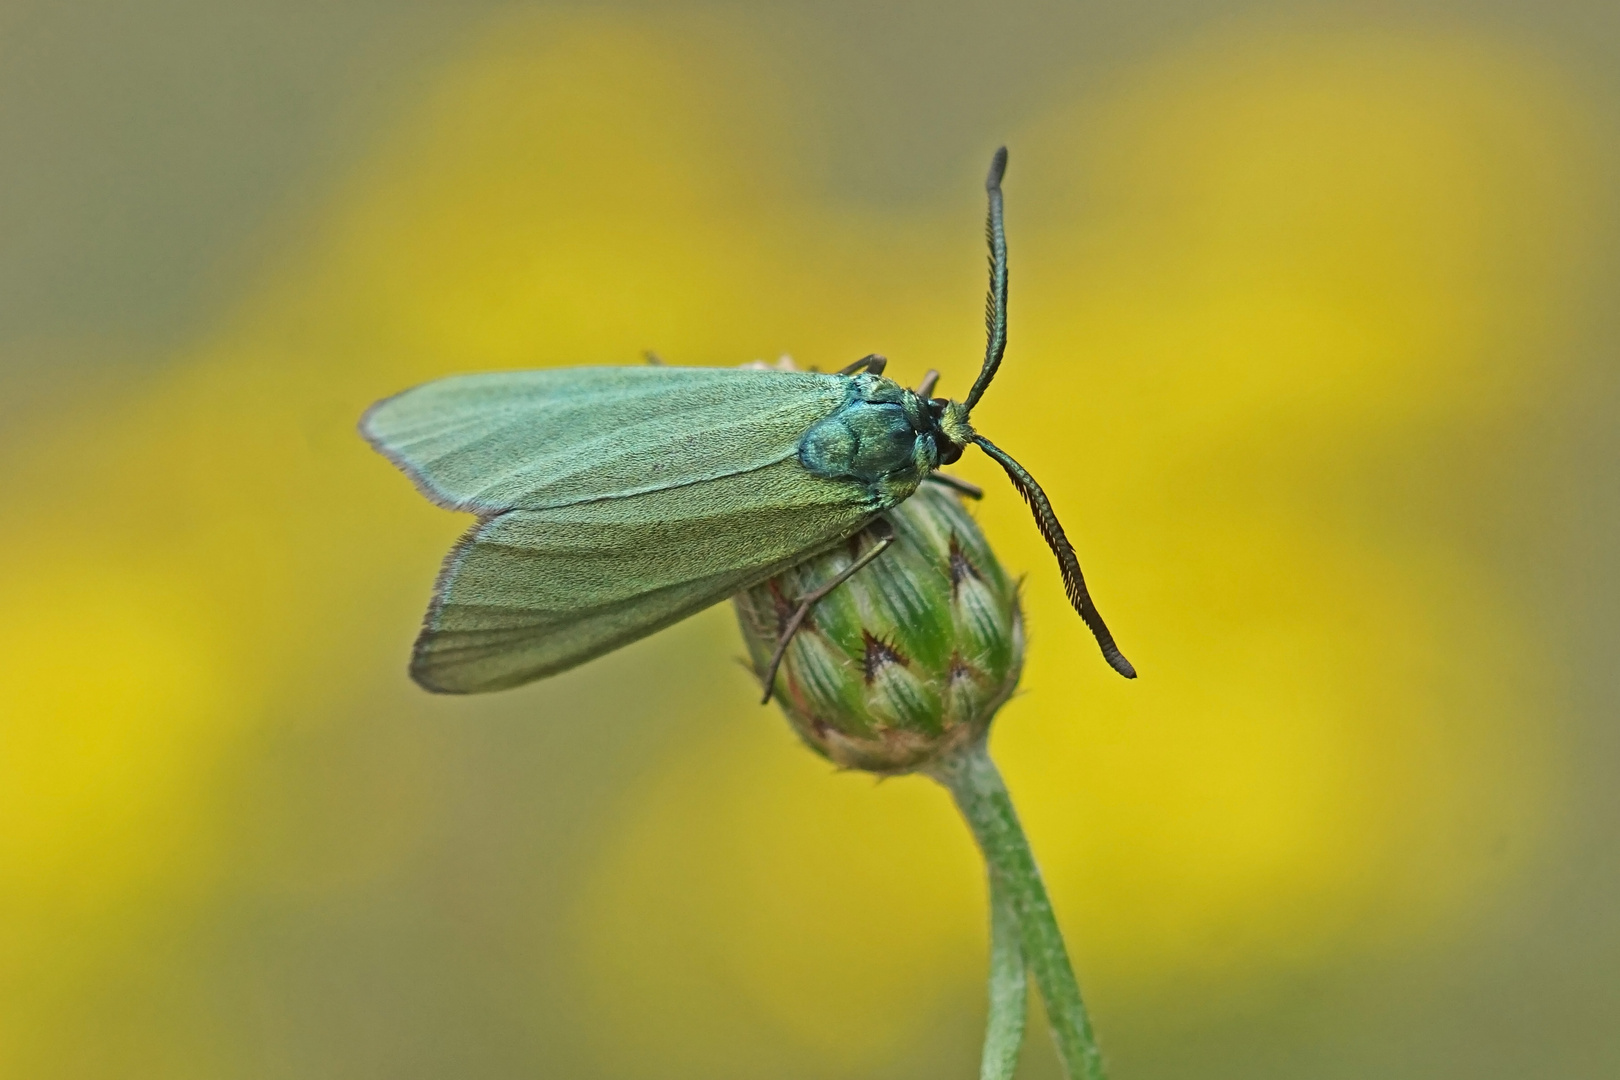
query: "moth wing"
531, 440
531, 592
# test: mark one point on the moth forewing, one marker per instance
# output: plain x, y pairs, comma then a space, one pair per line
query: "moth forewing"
532, 439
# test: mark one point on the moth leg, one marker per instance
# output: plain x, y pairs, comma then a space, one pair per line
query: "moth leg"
883, 535
652, 358
957, 484
872, 362
925, 389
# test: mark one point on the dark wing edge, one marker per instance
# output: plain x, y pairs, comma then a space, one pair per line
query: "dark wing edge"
417, 478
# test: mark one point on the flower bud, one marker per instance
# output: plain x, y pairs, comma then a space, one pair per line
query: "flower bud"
908, 659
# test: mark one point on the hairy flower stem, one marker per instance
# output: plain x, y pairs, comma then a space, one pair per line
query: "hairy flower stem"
1009, 991
977, 786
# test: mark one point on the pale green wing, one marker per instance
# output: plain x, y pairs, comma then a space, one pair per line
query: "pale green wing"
529, 593
534, 439
614, 502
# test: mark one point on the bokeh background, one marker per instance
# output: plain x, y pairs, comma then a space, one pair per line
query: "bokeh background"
1313, 343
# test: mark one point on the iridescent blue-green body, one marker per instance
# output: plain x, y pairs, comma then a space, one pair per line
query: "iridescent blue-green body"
614, 501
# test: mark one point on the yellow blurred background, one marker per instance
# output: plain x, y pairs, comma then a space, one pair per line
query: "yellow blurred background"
1312, 344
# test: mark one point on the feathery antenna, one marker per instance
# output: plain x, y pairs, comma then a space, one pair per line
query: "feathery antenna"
995, 304
1074, 583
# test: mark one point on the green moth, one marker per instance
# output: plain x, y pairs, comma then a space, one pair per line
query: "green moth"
615, 501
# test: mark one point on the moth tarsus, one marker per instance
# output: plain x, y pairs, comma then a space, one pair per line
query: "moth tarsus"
882, 534
873, 363
956, 484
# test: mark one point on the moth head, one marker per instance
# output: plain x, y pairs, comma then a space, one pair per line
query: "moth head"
952, 432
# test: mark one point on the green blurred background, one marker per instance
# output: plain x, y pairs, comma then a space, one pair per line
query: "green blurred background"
1313, 344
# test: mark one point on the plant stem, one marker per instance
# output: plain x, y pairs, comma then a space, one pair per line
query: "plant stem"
977, 786
1009, 993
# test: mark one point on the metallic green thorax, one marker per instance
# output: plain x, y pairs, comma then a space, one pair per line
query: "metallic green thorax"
882, 435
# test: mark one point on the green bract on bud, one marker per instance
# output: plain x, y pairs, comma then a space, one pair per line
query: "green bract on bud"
908, 659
